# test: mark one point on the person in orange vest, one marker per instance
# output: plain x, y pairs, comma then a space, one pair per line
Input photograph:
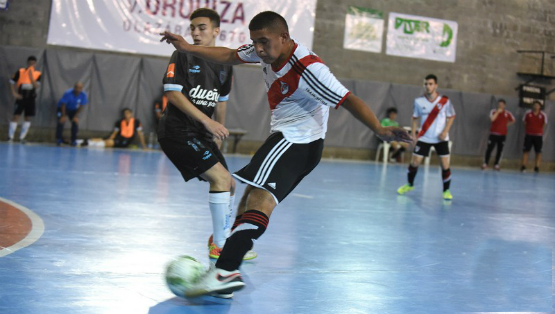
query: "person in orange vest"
124, 132
24, 84
160, 106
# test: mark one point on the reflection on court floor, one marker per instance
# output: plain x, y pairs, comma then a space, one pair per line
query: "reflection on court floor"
342, 242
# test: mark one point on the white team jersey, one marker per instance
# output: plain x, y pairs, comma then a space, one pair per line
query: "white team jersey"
422, 109
299, 94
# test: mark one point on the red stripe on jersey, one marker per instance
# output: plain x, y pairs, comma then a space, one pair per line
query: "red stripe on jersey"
433, 115
286, 85
342, 100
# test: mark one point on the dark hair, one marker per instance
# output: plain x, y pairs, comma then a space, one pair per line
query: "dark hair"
209, 13
537, 102
502, 100
31, 58
431, 77
268, 20
390, 111
126, 109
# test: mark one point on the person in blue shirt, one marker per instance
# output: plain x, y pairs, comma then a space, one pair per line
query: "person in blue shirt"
69, 107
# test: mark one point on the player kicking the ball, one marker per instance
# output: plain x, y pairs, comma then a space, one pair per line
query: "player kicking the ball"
436, 114
195, 89
300, 89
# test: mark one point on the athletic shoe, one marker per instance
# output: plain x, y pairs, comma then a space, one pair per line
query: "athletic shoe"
74, 143
10, 140
447, 195
496, 168
222, 295
484, 166
248, 256
85, 143
523, 169
214, 251
536, 170
59, 142
405, 188
216, 281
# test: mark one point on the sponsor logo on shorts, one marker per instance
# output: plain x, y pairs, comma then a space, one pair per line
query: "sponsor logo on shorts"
416, 148
207, 155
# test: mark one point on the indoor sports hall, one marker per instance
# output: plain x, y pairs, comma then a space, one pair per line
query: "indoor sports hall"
442, 203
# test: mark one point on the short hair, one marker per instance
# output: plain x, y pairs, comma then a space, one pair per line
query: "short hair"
537, 102
502, 100
31, 58
431, 77
126, 109
209, 13
268, 20
390, 111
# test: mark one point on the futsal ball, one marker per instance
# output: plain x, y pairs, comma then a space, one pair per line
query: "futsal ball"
182, 273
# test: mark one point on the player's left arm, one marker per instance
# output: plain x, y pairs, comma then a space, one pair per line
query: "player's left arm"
448, 125
358, 108
32, 78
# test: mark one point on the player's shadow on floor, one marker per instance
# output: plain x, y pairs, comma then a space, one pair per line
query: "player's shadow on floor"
202, 305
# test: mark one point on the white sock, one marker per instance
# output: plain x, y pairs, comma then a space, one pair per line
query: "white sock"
24, 129
97, 144
230, 216
13, 126
219, 207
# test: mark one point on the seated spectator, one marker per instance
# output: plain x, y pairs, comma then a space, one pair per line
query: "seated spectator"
70, 105
500, 120
398, 147
124, 133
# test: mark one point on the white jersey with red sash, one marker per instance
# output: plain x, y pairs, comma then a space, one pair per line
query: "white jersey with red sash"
299, 93
433, 117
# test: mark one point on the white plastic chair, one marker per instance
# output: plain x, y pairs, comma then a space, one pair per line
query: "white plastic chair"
385, 147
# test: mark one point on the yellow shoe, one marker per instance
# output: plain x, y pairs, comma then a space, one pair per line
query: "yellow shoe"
405, 188
447, 195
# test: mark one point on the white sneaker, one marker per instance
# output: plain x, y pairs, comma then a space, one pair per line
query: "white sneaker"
250, 255
217, 282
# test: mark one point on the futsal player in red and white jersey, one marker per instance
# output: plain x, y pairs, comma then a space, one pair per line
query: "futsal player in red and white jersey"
436, 115
535, 121
300, 90
500, 120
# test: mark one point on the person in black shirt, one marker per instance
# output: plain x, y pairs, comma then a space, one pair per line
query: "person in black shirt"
124, 133
197, 90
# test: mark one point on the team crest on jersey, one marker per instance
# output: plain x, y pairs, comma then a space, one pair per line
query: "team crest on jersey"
284, 88
223, 76
439, 106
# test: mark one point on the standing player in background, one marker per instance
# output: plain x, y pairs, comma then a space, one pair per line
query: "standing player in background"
436, 114
301, 89
26, 82
70, 105
195, 89
535, 121
500, 120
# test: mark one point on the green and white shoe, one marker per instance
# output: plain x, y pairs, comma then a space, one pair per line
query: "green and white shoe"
447, 195
404, 189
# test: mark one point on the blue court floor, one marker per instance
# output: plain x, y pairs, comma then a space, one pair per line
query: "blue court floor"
342, 242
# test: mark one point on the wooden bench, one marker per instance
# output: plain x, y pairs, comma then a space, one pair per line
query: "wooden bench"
237, 134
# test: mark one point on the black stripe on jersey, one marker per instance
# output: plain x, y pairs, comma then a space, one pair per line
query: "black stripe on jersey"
245, 47
314, 83
324, 90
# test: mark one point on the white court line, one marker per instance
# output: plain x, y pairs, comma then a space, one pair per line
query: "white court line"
37, 229
302, 196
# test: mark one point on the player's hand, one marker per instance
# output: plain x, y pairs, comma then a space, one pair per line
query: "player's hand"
176, 40
397, 134
63, 119
18, 96
218, 130
443, 136
218, 143
75, 119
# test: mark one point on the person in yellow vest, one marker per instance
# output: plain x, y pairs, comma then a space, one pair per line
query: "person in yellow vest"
124, 132
24, 84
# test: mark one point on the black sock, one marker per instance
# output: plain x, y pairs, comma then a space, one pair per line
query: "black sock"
412, 174
446, 175
251, 226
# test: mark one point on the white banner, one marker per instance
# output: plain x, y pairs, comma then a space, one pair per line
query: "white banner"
421, 37
134, 25
363, 29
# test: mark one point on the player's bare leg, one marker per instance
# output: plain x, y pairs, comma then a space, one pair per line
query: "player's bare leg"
524, 161
538, 162
13, 127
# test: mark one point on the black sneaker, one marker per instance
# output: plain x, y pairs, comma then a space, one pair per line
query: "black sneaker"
522, 169
85, 143
536, 170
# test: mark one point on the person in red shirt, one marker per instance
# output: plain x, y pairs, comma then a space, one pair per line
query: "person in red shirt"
535, 121
500, 120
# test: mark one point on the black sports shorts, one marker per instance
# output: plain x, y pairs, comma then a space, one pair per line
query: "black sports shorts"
25, 105
423, 149
533, 140
278, 166
192, 156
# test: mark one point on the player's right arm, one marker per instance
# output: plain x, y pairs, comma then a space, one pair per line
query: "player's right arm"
13, 82
220, 55
494, 114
